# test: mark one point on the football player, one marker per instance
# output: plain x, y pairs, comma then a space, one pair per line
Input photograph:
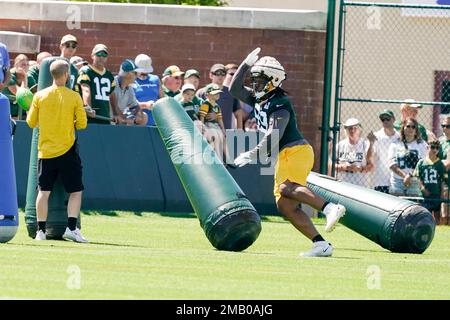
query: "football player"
295, 158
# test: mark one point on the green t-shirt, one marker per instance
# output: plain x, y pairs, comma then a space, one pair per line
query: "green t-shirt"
278, 101
102, 84
14, 107
423, 131
73, 84
169, 93
431, 174
192, 107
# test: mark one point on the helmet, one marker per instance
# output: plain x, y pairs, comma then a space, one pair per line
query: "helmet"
272, 71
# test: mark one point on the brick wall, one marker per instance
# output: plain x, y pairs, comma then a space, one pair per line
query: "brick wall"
300, 52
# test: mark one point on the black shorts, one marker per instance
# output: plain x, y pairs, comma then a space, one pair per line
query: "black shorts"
68, 166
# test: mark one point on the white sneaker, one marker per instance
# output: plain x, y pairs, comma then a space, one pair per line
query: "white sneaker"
74, 235
40, 235
333, 212
319, 249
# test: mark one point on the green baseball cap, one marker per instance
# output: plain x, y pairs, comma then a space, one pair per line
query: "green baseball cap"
191, 72
386, 112
213, 88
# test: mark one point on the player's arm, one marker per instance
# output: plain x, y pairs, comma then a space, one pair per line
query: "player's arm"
80, 115
268, 146
33, 113
237, 88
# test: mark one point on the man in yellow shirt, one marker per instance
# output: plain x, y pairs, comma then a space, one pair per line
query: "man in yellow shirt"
58, 111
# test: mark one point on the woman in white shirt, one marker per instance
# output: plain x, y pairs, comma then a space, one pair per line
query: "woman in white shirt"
403, 157
354, 155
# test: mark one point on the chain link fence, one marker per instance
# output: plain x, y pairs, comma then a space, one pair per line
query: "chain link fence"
388, 53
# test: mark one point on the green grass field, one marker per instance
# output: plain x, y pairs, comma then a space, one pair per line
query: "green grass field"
150, 256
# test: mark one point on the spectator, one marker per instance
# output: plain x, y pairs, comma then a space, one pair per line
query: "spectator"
147, 86
410, 109
4, 66
78, 62
124, 93
192, 76
228, 104
58, 111
432, 173
383, 139
68, 47
19, 78
172, 81
33, 71
445, 156
97, 86
191, 108
354, 155
403, 157
215, 130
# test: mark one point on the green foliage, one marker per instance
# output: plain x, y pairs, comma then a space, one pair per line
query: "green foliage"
215, 3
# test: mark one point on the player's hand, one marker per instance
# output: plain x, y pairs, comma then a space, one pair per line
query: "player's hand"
252, 57
243, 159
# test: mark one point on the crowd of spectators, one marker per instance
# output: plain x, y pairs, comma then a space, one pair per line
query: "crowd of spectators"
402, 158
126, 97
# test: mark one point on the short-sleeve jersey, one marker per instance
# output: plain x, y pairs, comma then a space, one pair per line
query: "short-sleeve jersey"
278, 101
102, 84
431, 174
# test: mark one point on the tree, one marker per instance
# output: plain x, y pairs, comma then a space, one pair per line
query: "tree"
215, 3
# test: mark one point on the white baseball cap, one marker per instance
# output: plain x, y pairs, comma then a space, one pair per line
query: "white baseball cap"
143, 63
351, 122
412, 103
187, 86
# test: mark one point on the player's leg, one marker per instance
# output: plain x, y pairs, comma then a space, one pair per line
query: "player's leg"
42, 213
296, 164
47, 174
302, 222
71, 175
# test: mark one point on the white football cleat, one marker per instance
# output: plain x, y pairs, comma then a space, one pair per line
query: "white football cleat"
333, 212
74, 235
40, 235
319, 249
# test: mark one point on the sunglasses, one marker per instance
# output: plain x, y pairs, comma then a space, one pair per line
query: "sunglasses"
70, 45
410, 126
219, 73
385, 119
445, 126
434, 147
101, 54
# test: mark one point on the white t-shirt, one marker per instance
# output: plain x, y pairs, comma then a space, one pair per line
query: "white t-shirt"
397, 155
382, 173
353, 154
